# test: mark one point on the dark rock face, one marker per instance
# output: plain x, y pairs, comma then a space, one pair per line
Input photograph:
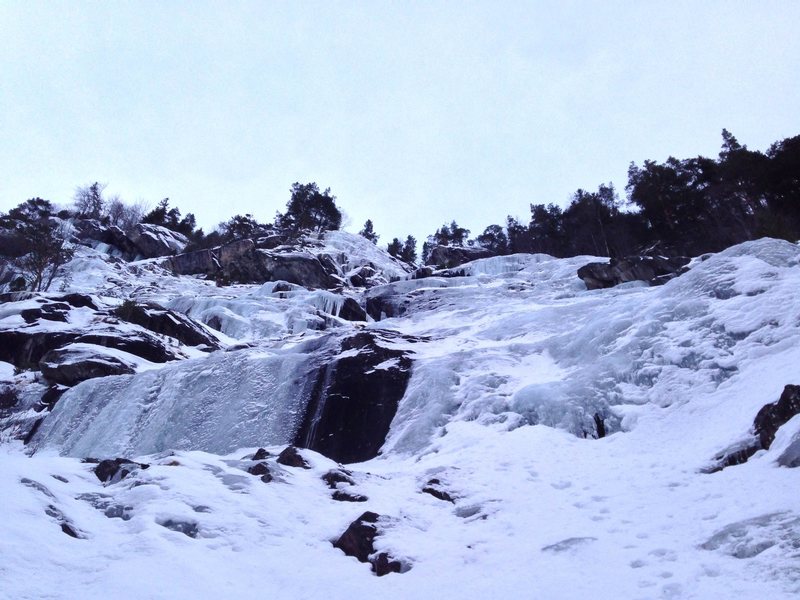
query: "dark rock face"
242, 262
8, 397
358, 541
291, 458
351, 310
259, 469
70, 365
176, 325
655, 270
355, 399
24, 349
53, 311
116, 469
422, 273
154, 241
447, 257
773, 416
769, 419
201, 262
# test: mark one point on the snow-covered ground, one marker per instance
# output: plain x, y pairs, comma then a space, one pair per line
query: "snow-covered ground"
513, 363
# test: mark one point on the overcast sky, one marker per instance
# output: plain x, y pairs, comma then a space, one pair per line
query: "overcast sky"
413, 113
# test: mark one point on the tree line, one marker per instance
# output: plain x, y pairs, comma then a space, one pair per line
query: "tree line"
678, 207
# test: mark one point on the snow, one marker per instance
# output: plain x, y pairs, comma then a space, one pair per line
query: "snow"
512, 362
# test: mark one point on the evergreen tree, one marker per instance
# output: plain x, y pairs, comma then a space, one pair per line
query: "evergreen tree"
368, 232
409, 251
395, 248
308, 208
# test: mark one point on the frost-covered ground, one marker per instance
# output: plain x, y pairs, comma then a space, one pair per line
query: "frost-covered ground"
512, 362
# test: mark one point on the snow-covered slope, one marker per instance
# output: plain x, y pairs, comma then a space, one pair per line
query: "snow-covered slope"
517, 373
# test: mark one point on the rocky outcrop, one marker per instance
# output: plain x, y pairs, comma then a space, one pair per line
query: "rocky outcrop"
447, 257
655, 270
773, 416
769, 419
78, 362
167, 322
154, 241
355, 398
358, 541
242, 262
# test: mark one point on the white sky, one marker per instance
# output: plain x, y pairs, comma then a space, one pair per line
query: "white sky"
413, 113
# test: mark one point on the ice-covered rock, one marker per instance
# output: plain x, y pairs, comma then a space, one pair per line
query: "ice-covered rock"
153, 241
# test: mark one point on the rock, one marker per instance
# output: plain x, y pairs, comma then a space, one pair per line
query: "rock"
655, 270
167, 322
447, 257
358, 541
772, 416
78, 362
154, 241
383, 564
769, 419
362, 276
351, 310
116, 469
51, 311
281, 287
355, 398
300, 268
187, 528
342, 496
422, 273
78, 301
359, 537
291, 458
24, 349
8, 397
334, 477
200, 262
138, 343
261, 454
259, 469
433, 487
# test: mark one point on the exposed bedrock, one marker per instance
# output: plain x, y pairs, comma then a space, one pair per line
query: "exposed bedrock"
447, 257
167, 322
655, 270
241, 261
355, 398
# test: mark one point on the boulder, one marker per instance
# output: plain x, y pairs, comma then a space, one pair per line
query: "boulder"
116, 469
447, 257
655, 270
291, 458
342, 496
358, 541
336, 476
78, 362
434, 488
154, 241
355, 398
261, 454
